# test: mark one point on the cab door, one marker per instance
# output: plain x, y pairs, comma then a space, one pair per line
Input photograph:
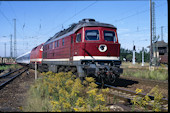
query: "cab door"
78, 44
72, 41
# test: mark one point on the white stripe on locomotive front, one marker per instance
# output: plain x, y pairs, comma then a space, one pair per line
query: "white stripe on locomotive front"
95, 58
37, 59
77, 58
56, 59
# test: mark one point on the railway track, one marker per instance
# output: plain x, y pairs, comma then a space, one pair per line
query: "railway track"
8, 77
161, 84
128, 95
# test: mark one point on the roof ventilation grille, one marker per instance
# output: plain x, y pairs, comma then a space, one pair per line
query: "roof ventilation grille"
88, 20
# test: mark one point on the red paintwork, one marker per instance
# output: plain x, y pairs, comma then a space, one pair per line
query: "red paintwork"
69, 49
58, 52
36, 53
164, 58
113, 49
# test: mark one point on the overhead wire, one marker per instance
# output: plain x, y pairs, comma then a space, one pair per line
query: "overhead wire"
6, 18
129, 42
137, 13
85, 9
71, 17
141, 30
22, 26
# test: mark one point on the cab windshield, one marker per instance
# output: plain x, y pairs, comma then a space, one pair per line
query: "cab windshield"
109, 36
92, 35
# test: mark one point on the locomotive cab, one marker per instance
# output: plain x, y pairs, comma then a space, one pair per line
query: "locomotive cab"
98, 50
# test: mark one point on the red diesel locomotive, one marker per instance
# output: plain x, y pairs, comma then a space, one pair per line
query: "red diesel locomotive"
36, 56
87, 48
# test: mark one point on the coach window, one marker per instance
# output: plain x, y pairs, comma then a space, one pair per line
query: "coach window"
50, 46
57, 43
78, 37
63, 41
71, 39
109, 36
92, 35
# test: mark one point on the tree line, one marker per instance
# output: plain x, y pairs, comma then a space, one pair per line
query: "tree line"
127, 55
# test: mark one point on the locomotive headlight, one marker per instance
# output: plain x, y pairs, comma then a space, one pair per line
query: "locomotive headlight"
102, 48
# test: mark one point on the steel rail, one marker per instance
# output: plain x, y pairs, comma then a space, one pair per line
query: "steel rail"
12, 78
6, 74
132, 93
162, 84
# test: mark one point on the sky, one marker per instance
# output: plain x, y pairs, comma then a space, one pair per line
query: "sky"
37, 21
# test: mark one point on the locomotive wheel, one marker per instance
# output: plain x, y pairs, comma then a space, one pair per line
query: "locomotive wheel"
111, 78
61, 69
100, 79
74, 71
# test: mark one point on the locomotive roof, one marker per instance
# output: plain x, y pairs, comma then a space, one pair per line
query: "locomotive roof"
76, 26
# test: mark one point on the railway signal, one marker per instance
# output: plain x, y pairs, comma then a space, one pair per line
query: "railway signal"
35, 70
143, 56
133, 60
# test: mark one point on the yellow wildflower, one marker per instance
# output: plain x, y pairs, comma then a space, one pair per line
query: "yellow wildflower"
157, 110
97, 108
20, 107
54, 102
92, 92
69, 82
138, 90
147, 98
105, 90
90, 79
76, 109
85, 82
80, 102
93, 85
66, 105
100, 97
61, 100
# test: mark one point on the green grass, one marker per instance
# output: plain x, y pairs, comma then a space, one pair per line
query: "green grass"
159, 73
36, 101
12, 66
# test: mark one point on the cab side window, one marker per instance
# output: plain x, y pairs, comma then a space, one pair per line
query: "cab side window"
78, 37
